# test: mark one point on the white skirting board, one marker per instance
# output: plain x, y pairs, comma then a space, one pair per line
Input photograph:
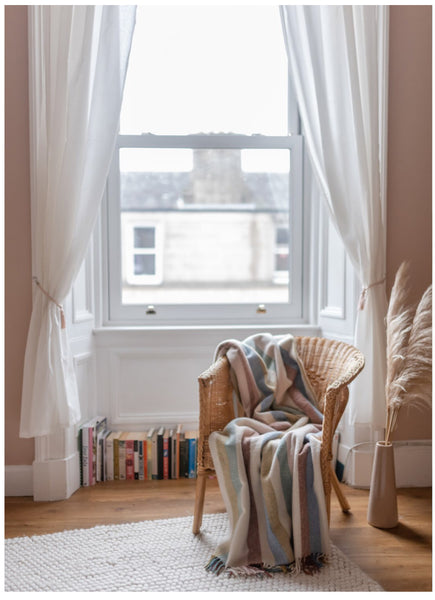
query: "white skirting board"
412, 460
44, 481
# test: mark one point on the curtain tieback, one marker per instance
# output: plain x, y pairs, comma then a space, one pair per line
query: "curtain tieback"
59, 306
363, 296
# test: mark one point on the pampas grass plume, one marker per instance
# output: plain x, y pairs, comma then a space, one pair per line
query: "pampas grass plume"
409, 350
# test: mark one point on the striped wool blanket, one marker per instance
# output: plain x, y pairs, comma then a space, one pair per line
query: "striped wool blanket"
268, 463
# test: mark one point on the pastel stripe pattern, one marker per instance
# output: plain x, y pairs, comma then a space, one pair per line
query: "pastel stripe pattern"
268, 464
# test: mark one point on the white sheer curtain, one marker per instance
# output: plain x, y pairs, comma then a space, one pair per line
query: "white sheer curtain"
338, 64
77, 62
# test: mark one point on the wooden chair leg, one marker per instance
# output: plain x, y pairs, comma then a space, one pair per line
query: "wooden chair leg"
345, 506
199, 501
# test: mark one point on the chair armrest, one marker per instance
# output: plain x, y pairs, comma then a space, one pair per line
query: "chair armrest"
216, 406
337, 392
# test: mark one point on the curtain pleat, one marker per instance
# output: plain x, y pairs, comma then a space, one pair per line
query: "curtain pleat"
78, 58
338, 64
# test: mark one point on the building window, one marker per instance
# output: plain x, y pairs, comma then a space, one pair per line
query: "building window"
142, 253
228, 203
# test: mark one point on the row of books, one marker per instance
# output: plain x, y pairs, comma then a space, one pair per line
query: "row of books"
159, 453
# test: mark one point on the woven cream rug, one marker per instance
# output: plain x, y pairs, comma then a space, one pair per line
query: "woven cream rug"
157, 556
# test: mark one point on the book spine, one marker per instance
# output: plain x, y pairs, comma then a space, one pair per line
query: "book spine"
91, 455
154, 469
100, 453
103, 456
141, 446
174, 473
179, 437
79, 450
85, 456
170, 455
136, 459
109, 460
121, 460
116, 459
129, 459
98, 427
184, 458
165, 457
160, 456
149, 458
192, 458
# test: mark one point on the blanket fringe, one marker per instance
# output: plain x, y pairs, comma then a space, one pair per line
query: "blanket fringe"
308, 564
312, 564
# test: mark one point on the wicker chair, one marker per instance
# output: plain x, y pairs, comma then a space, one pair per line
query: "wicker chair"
330, 365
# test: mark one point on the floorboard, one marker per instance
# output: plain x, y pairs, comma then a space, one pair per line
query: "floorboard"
400, 559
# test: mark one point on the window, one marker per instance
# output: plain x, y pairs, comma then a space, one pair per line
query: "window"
142, 253
205, 191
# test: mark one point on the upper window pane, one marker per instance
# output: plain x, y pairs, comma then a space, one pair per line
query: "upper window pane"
144, 237
206, 69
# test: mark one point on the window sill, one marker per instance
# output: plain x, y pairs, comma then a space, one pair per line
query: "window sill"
194, 334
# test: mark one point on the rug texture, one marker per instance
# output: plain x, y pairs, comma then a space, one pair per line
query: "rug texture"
157, 556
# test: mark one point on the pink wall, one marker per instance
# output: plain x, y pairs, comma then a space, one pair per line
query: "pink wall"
18, 270
409, 211
409, 215
409, 191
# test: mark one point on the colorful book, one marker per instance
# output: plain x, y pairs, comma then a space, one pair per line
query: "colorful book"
154, 466
109, 455
99, 426
166, 454
116, 456
191, 437
160, 434
80, 451
136, 461
101, 441
142, 456
149, 440
129, 456
184, 456
176, 452
90, 431
85, 455
122, 456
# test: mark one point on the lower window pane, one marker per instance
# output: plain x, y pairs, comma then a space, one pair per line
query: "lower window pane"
220, 215
144, 264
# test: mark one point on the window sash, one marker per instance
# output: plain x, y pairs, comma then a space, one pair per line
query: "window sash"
206, 314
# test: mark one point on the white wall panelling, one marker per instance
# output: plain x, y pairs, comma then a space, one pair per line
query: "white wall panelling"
412, 462
84, 366
150, 376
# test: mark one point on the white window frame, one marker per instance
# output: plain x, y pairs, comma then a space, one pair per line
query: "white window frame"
294, 312
207, 314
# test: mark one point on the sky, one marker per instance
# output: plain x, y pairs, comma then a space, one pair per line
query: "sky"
206, 69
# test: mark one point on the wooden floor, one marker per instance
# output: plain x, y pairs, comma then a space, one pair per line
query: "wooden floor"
400, 559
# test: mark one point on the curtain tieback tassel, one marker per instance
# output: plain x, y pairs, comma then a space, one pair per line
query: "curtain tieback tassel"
59, 306
364, 291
